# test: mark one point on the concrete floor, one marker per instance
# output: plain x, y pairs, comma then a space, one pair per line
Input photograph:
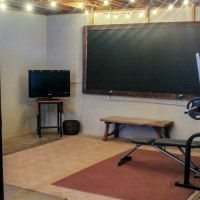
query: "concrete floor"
15, 193
31, 140
20, 143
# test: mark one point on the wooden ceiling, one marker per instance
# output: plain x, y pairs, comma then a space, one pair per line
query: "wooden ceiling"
73, 6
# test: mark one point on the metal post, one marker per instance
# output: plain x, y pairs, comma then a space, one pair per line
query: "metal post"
186, 183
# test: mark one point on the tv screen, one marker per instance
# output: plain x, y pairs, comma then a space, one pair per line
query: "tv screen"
49, 83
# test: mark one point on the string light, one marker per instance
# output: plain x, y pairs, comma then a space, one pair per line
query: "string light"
171, 6
108, 15
154, 12
128, 15
106, 3
141, 14
86, 12
185, 2
80, 5
53, 4
3, 6
116, 16
29, 7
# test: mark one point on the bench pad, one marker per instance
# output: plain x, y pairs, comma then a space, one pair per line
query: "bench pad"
142, 140
175, 143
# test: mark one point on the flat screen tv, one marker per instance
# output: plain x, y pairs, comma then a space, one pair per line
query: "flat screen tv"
49, 83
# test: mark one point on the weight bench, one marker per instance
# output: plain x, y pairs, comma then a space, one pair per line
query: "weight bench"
161, 145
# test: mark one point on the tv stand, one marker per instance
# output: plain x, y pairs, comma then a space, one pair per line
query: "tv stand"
59, 104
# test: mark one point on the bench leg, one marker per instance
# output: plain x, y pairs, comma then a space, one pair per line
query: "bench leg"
167, 130
105, 137
158, 132
116, 130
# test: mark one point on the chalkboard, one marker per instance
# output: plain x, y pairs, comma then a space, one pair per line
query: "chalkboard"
150, 60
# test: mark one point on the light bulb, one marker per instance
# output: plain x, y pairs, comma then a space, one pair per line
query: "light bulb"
108, 15
106, 3
131, 1
141, 14
128, 15
185, 2
86, 12
171, 6
155, 11
3, 6
53, 4
80, 5
29, 7
116, 16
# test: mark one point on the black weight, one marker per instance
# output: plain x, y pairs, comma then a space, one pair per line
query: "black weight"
193, 108
71, 127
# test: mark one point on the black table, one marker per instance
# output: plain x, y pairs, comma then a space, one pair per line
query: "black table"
59, 104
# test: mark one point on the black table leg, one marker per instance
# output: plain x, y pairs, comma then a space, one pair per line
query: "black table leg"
39, 121
61, 132
58, 119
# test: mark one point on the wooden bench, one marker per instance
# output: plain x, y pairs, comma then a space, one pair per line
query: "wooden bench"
158, 125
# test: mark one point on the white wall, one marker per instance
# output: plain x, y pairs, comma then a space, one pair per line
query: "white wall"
64, 49
31, 41
163, 15
102, 17
22, 47
198, 13
176, 15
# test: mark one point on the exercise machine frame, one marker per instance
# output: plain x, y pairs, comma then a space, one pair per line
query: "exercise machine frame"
186, 183
187, 163
164, 150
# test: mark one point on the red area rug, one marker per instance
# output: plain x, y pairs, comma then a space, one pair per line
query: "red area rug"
150, 175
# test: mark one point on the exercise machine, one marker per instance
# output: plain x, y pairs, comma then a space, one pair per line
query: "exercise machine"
193, 110
184, 146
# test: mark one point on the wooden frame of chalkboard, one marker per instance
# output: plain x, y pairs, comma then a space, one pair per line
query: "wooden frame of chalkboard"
130, 93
